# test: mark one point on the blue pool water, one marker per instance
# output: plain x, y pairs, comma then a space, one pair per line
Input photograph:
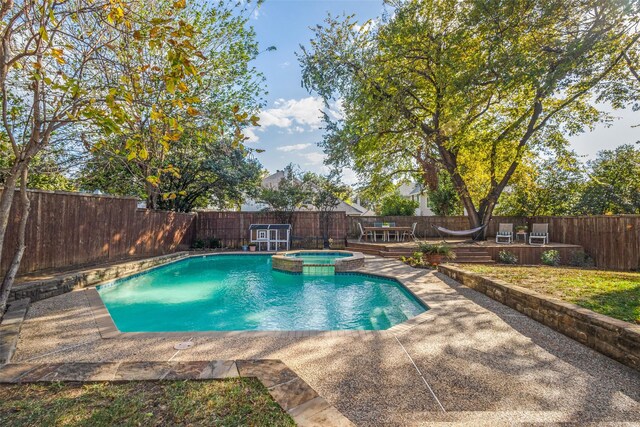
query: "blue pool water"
240, 292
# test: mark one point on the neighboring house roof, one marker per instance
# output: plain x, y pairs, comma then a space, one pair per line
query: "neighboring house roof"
273, 180
410, 189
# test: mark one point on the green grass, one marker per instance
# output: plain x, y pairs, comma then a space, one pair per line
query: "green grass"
613, 293
141, 403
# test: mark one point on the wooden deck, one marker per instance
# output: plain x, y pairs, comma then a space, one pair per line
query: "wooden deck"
477, 252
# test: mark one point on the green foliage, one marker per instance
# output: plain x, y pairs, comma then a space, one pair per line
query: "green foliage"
214, 243
551, 257
444, 199
614, 183
46, 171
506, 257
436, 249
326, 191
581, 259
471, 87
198, 244
291, 194
544, 187
211, 173
396, 205
326, 194
182, 72
416, 260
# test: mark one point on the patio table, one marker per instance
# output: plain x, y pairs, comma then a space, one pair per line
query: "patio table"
385, 231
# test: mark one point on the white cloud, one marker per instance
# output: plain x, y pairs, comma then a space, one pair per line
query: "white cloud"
294, 147
250, 134
314, 158
304, 114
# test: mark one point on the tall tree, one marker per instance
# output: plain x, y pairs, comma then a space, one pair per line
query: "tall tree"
204, 84
327, 191
466, 86
290, 194
210, 173
614, 183
49, 57
46, 52
544, 187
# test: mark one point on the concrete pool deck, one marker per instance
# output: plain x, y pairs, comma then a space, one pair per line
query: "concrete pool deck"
470, 360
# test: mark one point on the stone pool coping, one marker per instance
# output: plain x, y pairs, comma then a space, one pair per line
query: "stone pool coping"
10, 328
108, 329
612, 337
67, 281
291, 392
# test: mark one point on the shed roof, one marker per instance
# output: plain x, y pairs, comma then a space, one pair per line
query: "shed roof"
270, 227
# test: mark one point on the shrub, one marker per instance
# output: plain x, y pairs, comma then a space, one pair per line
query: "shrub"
214, 243
396, 205
506, 257
436, 249
551, 257
581, 259
415, 260
197, 244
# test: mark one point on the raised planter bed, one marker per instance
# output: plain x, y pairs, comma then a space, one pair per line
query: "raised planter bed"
611, 337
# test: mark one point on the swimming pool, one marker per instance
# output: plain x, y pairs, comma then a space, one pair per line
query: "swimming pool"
242, 292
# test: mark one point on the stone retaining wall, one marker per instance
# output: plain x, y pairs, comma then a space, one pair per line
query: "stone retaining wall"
37, 290
611, 337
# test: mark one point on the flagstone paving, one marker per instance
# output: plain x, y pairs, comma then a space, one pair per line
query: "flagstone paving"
472, 360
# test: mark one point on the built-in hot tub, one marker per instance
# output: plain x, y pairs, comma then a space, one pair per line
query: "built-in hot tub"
317, 262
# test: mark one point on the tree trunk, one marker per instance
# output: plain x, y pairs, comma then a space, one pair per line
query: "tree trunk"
6, 201
10, 275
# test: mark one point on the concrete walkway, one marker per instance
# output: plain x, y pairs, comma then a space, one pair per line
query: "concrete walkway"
472, 361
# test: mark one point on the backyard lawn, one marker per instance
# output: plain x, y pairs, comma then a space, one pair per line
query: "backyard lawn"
141, 403
614, 293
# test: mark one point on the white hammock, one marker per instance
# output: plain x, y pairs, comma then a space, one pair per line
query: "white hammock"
470, 232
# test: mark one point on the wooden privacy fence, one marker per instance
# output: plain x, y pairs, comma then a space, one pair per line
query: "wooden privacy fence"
426, 223
67, 229
232, 228
612, 241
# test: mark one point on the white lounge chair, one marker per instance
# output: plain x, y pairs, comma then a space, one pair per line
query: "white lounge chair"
363, 234
505, 234
411, 234
539, 232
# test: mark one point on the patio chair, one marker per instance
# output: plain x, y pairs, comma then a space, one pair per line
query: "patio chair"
411, 234
379, 233
505, 233
369, 233
539, 232
392, 234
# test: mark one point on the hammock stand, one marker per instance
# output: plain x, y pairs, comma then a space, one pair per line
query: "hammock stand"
475, 232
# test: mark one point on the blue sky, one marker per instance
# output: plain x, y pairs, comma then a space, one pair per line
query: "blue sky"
290, 121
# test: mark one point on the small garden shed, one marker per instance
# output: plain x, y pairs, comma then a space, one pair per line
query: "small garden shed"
270, 237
